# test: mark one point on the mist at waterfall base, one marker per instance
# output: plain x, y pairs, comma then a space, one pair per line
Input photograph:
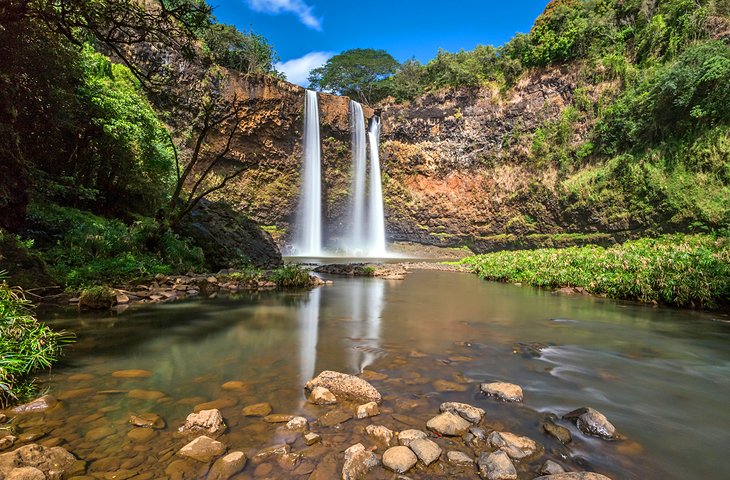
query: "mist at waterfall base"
365, 232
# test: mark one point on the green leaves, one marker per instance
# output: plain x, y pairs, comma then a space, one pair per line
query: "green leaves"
681, 270
354, 73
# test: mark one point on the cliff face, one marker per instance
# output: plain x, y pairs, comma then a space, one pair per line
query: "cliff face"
455, 169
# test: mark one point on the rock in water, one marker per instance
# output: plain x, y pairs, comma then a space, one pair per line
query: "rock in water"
507, 392
347, 387
592, 422
406, 437
203, 449
367, 410
257, 410
460, 459
464, 410
426, 450
513, 445
358, 462
496, 466
53, 462
226, 467
551, 467
448, 424
380, 434
41, 404
209, 421
399, 459
574, 476
322, 396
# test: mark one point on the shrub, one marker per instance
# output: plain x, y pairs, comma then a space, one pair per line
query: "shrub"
25, 345
291, 276
681, 270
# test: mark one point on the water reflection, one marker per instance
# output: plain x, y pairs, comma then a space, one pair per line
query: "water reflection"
308, 316
366, 299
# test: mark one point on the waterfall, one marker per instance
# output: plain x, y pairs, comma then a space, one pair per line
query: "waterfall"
376, 234
357, 240
310, 202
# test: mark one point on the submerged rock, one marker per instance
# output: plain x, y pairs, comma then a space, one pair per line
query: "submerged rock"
562, 434
333, 418
507, 392
343, 386
46, 402
358, 462
25, 463
574, 476
496, 466
203, 449
592, 422
551, 467
298, 424
513, 445
227, 466
147, 420
210, 421
464, 410
399, 459
448, 424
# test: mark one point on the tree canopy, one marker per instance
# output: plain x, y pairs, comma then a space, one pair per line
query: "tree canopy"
356, 73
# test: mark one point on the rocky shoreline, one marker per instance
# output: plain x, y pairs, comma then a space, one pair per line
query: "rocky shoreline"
460, 440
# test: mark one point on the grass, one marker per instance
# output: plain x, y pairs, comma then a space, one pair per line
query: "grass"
26, 345
291, 276
679, 270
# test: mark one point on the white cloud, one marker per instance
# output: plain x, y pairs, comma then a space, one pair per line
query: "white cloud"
297, 69
297, 7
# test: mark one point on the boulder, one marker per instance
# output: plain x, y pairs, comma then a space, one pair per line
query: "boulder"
460, 459
227, 466
464, 410
210, 421
513, 445
322, 396
344, 386
406, 437
448, 424
367, 410
592, 422
399, 459
507, 392
496, 466
228, 237
202, 449
358, 462
426, 450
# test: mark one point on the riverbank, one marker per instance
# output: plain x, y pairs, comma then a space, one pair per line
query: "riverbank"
679, 270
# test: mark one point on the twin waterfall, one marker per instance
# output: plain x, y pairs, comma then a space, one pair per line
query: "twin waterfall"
366, 222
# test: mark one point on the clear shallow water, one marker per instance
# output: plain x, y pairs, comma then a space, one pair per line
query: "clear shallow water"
662, 376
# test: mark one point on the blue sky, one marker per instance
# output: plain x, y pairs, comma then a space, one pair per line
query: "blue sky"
305, 33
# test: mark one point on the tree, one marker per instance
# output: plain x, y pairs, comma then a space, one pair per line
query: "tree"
356, 73
249, 53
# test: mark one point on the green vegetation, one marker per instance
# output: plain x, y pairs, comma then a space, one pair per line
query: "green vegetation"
97, 298
356, 73
87, 249
291, 276
681, 270
25, 345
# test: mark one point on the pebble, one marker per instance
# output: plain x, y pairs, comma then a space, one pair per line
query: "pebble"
426, 450
367, 410
399, 459
448, 424
406, 437
460, 459
496, 466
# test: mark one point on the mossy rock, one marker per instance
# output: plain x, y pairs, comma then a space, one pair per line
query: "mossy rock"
97, 298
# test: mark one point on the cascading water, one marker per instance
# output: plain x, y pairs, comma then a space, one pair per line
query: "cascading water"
309, 241
376, 233
357, 239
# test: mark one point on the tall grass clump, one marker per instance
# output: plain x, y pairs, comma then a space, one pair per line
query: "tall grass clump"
26, 345
291, 276
680, 270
